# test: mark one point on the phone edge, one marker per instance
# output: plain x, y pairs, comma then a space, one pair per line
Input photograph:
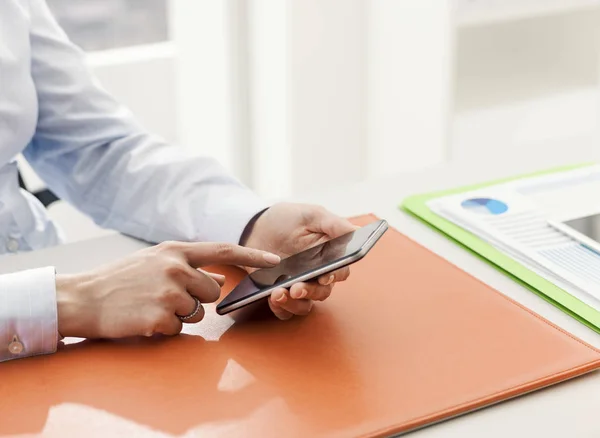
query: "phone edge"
373, 239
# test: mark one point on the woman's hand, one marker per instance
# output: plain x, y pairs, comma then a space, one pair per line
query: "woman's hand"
286, 229
147, 292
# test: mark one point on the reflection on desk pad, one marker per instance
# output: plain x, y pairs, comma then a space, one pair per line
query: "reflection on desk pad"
408, 340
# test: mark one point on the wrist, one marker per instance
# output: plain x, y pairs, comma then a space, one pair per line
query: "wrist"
71, 296
245, 237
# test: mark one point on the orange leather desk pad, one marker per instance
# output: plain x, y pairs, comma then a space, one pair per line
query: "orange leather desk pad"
408, 340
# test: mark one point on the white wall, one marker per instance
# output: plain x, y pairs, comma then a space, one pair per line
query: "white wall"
204, 34
327, 83
307, 108
527, 87
410, 68
268, 116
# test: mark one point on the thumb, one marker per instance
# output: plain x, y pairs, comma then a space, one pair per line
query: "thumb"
332, 225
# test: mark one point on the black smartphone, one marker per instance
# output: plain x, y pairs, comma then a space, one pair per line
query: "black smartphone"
306, 265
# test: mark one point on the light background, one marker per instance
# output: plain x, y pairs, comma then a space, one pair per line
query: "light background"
294, 95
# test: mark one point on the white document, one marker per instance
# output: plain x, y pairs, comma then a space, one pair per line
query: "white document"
516, 217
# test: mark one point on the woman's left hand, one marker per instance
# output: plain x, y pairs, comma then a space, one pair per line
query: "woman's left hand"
286, 229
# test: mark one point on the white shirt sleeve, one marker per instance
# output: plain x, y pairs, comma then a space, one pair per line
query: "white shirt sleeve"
28, 313
92, 153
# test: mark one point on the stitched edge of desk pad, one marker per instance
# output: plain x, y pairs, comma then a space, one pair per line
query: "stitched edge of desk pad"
499, 396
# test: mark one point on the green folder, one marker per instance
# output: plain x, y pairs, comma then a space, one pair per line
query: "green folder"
417, 206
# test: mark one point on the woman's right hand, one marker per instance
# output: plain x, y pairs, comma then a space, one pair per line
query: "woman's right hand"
145, 293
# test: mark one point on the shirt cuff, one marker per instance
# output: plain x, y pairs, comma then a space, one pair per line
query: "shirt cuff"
228, 222
28, 313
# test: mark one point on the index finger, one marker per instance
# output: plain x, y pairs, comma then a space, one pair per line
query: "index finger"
200, 254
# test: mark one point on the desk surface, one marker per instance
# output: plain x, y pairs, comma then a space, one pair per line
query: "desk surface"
569, 409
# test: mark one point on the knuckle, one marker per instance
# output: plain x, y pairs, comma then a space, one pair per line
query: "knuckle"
165, 324
157, 327
252, 255
148, 328
318, 211
168, 248
167, 245
154, 322
169, 296
176, 269
224, 249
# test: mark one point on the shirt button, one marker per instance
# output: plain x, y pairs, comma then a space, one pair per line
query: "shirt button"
15, 346
12, 245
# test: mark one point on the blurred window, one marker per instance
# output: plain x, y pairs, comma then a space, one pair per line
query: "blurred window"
108, 24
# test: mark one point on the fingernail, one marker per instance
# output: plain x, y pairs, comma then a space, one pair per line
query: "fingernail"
303, 293
271, 258
329, 280
282, 298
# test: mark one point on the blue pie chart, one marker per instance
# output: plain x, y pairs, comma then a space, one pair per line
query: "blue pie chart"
485, 206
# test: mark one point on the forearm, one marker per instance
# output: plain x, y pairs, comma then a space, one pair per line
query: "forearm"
147, 189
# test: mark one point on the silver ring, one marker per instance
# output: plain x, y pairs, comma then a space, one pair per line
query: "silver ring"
194, 313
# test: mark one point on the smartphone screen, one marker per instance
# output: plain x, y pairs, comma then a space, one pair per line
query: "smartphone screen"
309, 260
